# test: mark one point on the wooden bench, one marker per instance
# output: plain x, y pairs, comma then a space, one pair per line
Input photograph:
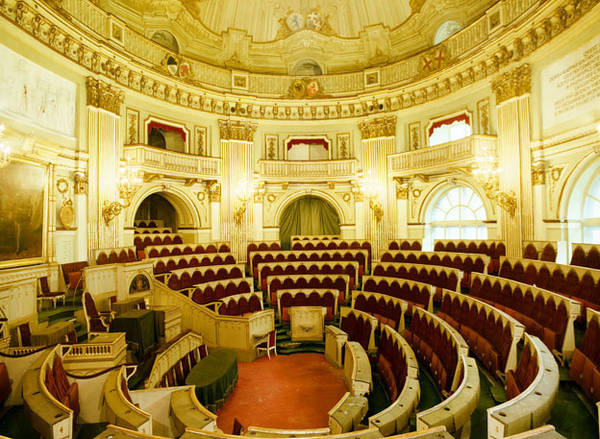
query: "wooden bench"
405, 244
532, 407
154, 251
148, 230
48, 416
261, 246
359, 326
397, 364
118, 406
218, 289
386, 309
149, 223
141, 241
314, 237
489, 247
491, 334
547, 315
308, 267
454, 412
577, 283
241, 304
339, 282
336, 244
115, 255
168, 263
182, 278
415, 293
586, 255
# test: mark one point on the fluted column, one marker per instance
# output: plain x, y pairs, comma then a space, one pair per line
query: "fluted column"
538, 180
378, 141
512, 91
238, 167
104, 138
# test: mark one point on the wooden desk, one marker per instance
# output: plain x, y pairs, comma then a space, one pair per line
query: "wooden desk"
307, 323
52, 334
131, 303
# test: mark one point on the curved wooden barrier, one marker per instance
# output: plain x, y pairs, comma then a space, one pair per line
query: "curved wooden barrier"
187, 412
118, 406
532, 407
357, 369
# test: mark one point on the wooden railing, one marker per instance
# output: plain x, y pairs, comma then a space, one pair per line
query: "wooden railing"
444, 155
292, 170
176, 164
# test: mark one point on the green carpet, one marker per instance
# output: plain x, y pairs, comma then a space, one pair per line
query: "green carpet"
430, 395
378, 398
570, 415
479, 416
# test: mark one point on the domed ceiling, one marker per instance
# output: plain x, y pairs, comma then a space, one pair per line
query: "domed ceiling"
298, 37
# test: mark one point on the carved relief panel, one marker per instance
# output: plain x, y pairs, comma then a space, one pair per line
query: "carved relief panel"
271, 147
344, 146
132, 121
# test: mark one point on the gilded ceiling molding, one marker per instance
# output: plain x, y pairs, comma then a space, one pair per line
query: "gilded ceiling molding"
78, 46
236, 130
378, 127
103, 95
513, 83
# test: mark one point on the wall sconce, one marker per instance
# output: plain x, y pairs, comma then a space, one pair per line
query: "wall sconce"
244, 192
128, 182
485, 170
371, 190
4, 151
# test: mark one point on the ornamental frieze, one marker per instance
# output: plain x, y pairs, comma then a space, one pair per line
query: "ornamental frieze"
236, 130
378, 127
516, 82
103, 95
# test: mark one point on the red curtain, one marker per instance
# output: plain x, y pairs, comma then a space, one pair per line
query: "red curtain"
324, 143
164, 127
460, 118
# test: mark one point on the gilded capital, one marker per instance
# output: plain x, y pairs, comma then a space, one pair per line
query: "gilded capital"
378, 127
516, 82
81, 183
103, 95
538, 174
236, 130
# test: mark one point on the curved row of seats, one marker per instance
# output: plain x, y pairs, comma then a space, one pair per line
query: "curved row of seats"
440, 277
145, 240
175, 375
415, 293
325, 298
491, 334
183, 278
314, 237
465, 262
116, 256
150, 223
405, 244
492, 248
307, 267
339, 282
241, 304
216, 290
261, 246
170, 263
186, 249
118, 406
586, 255
578, 283
260, 257
336, 244
360, 327
540, 250
387, 309
545, 314
531, 388
585, 366
397, 364
434, 346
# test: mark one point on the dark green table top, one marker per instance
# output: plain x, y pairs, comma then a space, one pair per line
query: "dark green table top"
139, 327
214, 376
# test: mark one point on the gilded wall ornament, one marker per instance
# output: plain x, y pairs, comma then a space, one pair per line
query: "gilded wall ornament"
402, 191
538, 174
516, 82
434, 60
378, 127
235, 130
66, 213
81, 183
103, 95
305, 89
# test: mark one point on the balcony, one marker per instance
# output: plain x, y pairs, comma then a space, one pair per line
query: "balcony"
301, 170
439, 158
159, 161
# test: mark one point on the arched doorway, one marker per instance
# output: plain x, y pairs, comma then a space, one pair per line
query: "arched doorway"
308, 215
157, 207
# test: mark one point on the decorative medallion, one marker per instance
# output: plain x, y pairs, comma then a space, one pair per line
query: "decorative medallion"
305, 89
295, 21
314, 21
66, 214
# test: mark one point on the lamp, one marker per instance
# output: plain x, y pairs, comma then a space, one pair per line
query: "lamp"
486, 170
128, 182
372, 191
243, 192
4, 151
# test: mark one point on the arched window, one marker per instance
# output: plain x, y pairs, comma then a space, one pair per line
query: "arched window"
445, 31
591, 211
457, 213
449, 129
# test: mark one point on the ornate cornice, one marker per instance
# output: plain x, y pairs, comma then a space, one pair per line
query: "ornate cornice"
102, 95
495, 52
513, 83
236, 130
378, 127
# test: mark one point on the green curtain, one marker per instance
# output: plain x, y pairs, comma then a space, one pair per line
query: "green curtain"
308, 216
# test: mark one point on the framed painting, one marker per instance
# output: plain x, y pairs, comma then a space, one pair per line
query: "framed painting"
22, 214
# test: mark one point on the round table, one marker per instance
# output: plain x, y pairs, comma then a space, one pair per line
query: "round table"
215, 377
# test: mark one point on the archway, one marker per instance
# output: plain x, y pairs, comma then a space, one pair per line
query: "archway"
308, 215
157, 207
583, 212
